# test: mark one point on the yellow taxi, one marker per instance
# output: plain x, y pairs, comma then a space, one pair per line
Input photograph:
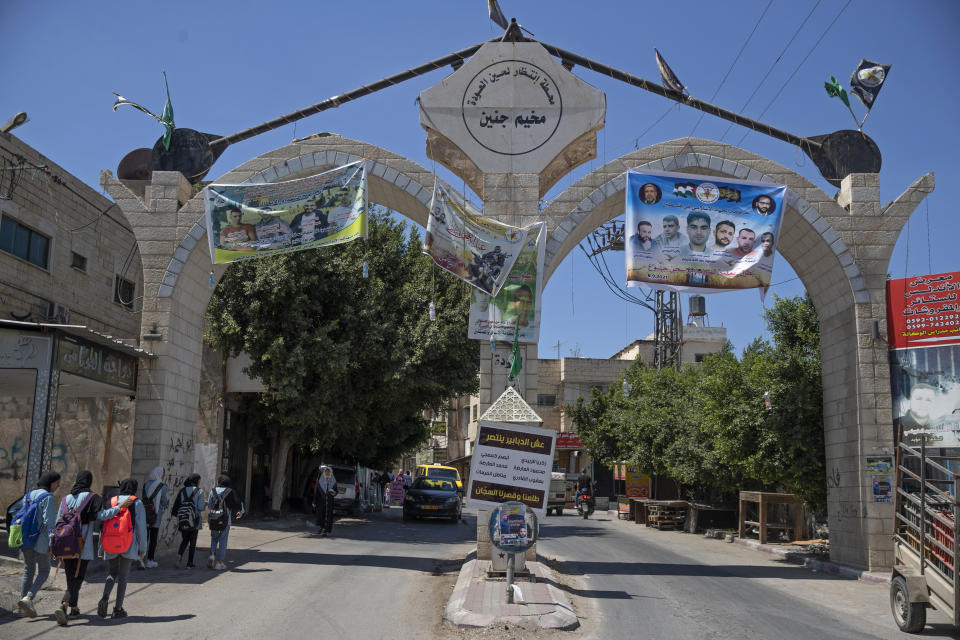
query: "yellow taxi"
439, 472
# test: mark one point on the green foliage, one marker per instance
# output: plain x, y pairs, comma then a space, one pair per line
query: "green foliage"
351, 362
707, 426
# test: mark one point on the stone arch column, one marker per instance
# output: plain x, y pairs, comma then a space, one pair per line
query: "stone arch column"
840, 248
168, 222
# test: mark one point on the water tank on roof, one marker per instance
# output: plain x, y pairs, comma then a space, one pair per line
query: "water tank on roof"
698, 306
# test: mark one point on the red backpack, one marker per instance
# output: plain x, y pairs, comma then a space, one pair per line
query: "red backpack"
117, 533
66, 539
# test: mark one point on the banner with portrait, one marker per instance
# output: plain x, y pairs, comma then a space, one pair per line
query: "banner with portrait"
700, 233
517, 304
923, 329
478, 250
253, 220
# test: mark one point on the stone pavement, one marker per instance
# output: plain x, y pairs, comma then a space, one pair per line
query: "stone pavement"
480, 602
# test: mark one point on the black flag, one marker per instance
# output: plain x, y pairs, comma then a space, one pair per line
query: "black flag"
496, 14
667, 76
866, 81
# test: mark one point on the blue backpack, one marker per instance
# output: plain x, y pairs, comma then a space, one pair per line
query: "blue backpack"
26, 524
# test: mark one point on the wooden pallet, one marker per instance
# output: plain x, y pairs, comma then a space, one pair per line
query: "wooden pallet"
666, 517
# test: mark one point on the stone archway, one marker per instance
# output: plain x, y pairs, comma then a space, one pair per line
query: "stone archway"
168, 222
840, 249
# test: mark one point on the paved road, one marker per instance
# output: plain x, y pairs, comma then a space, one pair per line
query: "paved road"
632, 582
378, 577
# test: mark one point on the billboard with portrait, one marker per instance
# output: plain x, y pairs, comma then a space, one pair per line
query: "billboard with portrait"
923, 324
253, 220
700, 233
518, 301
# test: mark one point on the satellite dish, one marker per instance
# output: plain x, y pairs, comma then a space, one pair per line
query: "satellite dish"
136, 165
190, 153
844, 152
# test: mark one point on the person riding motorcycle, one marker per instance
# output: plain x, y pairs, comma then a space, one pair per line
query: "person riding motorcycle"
585, 487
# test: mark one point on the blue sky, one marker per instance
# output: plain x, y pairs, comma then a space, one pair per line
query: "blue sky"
235, 64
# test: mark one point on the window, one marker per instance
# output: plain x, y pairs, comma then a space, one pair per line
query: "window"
78, 262
698, 357
24, 243
475, 407
123, 291
546, 400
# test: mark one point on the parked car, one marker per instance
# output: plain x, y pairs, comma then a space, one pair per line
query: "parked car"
432, 498
440, 471
561, 491
348, 489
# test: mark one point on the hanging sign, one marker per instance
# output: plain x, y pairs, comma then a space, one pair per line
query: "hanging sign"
511, 463
518, 301
700, 233
254, 220
478, 250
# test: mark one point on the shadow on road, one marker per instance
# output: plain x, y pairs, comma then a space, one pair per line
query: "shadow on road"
785, 571
548, 530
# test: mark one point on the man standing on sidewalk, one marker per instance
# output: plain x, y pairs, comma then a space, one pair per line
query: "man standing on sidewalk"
323, 499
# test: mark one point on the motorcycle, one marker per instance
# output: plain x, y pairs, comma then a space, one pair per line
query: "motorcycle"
585, 503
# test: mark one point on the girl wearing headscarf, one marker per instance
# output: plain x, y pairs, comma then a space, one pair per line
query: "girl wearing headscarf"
397, 488
35, 562
88, 504
323, 497
218, 539
119, 563
191, 493
154, 490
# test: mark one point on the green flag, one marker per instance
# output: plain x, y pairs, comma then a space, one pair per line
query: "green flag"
516, 360
166, 116
834, 90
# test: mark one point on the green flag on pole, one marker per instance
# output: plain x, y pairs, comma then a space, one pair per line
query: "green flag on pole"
834, 90
516, 360
166, 116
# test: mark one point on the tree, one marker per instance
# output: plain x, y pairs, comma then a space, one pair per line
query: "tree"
708, 426
351, 362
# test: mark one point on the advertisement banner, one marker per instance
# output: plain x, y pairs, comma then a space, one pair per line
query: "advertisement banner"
518, 301
253, 220
700, 233
638, 484
511, 463
477, 250
923, 320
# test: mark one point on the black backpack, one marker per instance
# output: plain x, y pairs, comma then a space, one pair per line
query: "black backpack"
187, 517
150, 508
218, 516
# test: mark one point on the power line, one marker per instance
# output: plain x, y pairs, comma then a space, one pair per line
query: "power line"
772, 66
809, 53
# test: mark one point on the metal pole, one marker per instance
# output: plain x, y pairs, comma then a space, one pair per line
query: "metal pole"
923, 501
511, 561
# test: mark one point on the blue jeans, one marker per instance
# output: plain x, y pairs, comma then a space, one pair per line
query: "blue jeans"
33, 562
218, 543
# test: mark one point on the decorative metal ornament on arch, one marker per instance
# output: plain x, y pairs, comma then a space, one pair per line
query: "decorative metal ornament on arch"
193, 153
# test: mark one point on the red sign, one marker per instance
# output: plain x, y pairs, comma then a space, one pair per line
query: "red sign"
568, 441
924, 311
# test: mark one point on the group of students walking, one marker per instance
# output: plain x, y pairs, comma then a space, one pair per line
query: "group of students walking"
129, 531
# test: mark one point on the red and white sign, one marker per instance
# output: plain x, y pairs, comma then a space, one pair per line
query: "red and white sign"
924, 311
568, 441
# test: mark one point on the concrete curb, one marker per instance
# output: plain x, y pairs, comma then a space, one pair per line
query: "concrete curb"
456, 614
824, 566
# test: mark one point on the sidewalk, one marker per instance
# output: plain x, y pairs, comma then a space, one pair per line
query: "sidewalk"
795, 556
480, 602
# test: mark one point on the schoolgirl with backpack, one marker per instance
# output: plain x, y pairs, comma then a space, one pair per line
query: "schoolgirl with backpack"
155, 503
222, 502
71, 540
187, 508
29, 532
123, 540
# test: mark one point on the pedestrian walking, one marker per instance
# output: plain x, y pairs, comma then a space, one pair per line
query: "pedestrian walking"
323, 497
187, 509
221, 505
397, 488
39, 515
155, 503
123, 541
87, 505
